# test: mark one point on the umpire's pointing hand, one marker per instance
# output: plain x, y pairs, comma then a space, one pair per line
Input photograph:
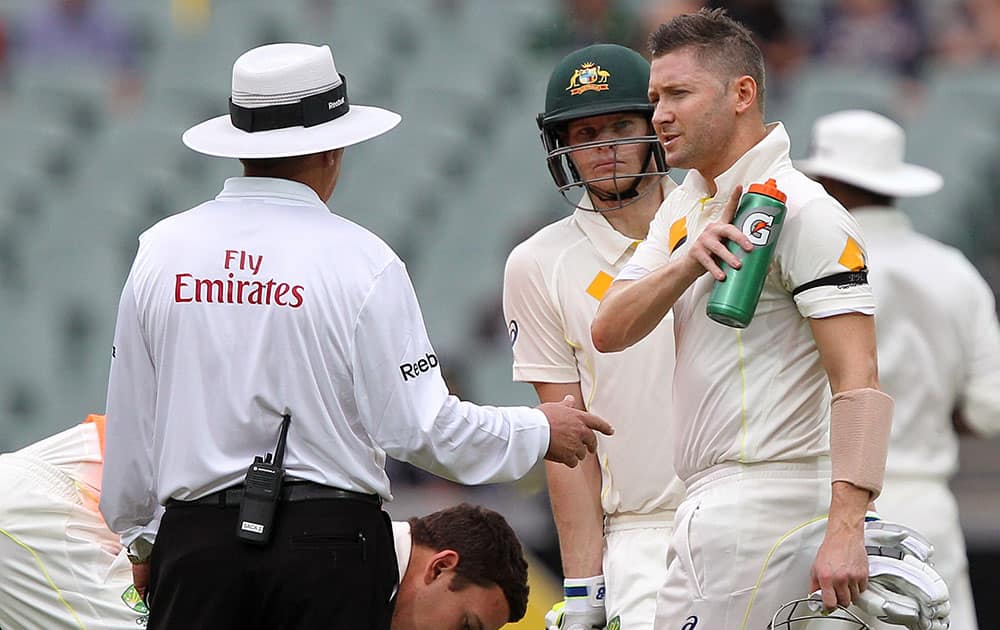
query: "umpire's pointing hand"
571, 431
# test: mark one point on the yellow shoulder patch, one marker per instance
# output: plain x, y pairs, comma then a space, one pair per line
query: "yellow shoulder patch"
678, 232
853, 257
599, 285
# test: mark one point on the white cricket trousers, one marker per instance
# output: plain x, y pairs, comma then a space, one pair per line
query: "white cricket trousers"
745, 539
635, 565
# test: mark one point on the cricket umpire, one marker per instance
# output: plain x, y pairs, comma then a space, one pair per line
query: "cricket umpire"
932, 304
257, 323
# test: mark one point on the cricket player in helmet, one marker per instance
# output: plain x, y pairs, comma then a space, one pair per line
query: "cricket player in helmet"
614, 512
601, 80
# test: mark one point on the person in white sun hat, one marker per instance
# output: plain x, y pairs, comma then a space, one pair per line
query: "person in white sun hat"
937, 331
259, 322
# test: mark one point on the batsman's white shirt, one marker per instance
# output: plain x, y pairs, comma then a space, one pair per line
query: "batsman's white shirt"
60, 566
262, 302
939, 349
759, 394
553, 283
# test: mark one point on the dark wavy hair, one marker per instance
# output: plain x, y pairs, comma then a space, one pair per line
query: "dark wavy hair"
488, 551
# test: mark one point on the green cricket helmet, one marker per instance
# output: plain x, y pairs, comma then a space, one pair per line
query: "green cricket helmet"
593, 81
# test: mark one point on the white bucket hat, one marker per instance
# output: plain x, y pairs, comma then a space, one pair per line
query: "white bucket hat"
287, 100
865, 149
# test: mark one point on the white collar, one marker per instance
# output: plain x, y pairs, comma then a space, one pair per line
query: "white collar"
762, 160
403, 542
609, 242
270, 187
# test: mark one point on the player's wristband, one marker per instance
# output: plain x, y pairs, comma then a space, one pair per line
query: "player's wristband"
860, 422
583, 594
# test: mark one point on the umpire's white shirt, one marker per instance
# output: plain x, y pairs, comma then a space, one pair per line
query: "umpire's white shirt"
758, 394
262, 302
553, 283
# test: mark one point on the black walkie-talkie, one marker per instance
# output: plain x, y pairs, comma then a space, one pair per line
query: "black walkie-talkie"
261, 491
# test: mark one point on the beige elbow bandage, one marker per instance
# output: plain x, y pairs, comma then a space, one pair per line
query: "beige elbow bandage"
860, 422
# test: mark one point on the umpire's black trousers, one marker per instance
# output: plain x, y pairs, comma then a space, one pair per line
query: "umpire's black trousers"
330, 565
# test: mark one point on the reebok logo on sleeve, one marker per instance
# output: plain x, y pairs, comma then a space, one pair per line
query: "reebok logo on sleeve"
413, 370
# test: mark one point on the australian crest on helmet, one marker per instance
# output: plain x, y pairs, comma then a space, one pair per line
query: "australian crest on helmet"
589, 76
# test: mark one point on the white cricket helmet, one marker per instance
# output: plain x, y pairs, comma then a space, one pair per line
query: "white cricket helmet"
808, 614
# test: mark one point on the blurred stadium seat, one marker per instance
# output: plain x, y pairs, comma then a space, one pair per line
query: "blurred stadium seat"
954, 133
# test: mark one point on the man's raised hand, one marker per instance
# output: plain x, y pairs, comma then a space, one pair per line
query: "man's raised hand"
710, 246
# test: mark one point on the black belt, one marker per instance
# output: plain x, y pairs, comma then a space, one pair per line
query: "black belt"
291, 492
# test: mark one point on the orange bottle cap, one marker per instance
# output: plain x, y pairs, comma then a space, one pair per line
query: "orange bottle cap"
769, 188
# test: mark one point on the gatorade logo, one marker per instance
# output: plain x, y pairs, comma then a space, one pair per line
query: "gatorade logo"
757, 227
413, 370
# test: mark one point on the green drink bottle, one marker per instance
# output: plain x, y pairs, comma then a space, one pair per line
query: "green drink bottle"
760, 215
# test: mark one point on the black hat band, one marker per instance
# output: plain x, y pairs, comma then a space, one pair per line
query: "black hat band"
308, 112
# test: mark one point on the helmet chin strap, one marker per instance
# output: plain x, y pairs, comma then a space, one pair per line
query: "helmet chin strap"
631, 193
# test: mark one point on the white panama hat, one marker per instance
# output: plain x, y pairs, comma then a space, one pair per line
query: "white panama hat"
287, 100
865, 149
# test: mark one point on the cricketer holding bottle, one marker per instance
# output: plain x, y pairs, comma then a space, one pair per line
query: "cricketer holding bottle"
756, 430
